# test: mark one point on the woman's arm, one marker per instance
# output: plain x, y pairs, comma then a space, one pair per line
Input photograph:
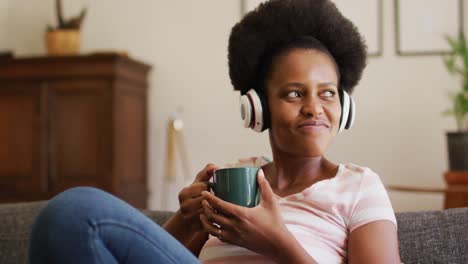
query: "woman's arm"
185, 224
376, 242
192, 239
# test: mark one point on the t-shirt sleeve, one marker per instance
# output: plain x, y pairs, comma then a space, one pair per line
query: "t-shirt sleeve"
372, 202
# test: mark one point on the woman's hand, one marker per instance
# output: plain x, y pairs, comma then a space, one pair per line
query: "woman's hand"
256, 229
190, 198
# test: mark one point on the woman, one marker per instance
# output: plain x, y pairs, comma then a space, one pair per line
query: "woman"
295, 62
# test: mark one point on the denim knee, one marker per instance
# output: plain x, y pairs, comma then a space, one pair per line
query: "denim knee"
79, 194
68, 207
64, 218
74, 203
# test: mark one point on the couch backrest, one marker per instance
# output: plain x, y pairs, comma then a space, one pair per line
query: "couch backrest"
425, 237
434, 236
15, 223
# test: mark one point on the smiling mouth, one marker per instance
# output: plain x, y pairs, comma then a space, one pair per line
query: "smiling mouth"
314, 124
312, 128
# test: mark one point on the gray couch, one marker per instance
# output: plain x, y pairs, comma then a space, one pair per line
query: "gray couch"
425, 237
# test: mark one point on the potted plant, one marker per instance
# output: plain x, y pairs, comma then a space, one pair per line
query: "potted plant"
64, 39
457, 64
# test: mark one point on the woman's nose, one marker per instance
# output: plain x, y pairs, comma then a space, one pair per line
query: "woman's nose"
312, 107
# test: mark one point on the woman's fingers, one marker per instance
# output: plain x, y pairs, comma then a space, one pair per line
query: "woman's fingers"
208, 226
192, 191
265, 188
205, 174
214, 217
214, 230
221, 206
191, 207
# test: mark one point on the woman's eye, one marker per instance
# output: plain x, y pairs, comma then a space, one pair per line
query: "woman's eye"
328, 93
293, 94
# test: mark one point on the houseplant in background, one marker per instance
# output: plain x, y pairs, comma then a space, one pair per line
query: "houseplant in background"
64, 39
457, 64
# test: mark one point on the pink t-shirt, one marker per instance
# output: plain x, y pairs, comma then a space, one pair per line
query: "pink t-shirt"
321, 217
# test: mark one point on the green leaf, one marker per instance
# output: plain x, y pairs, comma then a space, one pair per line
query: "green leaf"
463, 49
450, 63
453, 43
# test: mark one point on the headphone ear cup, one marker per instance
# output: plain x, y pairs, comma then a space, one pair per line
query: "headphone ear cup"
246, 111
256, 117
352, 114
345, 106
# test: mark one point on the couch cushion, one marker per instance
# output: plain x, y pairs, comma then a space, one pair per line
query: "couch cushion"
15, 227
434, 236
158, 216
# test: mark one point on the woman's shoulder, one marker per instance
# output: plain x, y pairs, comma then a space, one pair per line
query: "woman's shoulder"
355, 172
356, 169
370, 201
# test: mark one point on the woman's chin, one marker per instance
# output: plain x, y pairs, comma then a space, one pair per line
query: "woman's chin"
308, 152
303, 146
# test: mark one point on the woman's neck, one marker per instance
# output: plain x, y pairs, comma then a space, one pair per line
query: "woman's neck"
291, 172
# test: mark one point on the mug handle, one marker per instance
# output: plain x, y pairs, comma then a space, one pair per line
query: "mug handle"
211, 186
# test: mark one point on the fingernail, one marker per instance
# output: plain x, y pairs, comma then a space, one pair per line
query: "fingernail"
261, 174
205, 193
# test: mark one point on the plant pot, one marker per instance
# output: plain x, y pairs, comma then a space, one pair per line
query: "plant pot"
63, 42
456, 177
457, 143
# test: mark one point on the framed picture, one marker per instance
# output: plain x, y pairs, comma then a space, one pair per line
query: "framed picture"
360, 15
421, 26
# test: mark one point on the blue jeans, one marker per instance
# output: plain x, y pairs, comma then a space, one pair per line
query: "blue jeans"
87, 225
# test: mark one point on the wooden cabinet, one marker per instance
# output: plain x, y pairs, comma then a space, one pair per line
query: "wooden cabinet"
73, 121
21, 141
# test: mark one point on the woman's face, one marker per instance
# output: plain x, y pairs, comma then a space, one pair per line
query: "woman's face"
302, 91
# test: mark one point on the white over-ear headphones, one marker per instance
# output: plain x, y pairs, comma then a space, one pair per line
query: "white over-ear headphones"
252, 111
348, 110
255, 114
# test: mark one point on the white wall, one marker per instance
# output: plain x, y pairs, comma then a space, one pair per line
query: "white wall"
399, 131
3, 19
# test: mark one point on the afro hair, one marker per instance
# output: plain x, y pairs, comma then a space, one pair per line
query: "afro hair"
276, 23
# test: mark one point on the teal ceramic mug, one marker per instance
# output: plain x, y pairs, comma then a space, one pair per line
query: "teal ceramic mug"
237, 185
